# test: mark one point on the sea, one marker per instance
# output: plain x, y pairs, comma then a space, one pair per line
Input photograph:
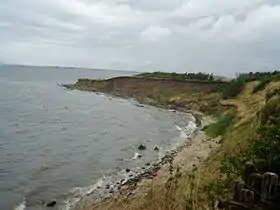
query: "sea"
61, 145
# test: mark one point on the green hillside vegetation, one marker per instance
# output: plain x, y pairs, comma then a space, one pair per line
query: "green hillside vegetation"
237, 85
186, 76
248, 127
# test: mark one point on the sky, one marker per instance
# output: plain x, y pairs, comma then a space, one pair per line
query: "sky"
218, 36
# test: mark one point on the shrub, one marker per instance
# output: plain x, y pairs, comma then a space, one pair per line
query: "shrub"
262, 85
270, 94
219, 128
266, 145
233, 89
270, 110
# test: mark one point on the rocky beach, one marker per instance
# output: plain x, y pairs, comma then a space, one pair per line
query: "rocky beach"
188, 156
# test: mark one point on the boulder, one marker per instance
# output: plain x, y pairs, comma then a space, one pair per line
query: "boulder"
50, 204
156, 148
142, 147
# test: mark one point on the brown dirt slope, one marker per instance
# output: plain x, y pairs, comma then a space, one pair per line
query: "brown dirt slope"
194, 95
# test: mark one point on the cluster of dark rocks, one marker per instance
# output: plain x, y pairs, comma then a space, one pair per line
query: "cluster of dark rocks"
150, 172
143, 147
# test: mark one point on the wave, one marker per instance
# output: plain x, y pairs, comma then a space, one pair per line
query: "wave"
178, 128
80, 192
136, 155
21, 206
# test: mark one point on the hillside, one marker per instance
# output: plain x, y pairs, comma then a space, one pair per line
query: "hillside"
247, 129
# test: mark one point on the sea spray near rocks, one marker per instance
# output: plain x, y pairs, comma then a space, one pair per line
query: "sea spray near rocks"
21, 206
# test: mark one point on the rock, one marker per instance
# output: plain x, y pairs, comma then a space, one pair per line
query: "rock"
130, 175
107, 186
127, 170
142, 147
50, 204
139, 156
148, 164
156, 148
143, 168
136, 179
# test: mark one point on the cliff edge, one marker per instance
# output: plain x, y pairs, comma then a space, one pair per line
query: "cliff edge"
203, 96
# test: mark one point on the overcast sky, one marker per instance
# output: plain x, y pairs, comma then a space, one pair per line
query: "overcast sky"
220, 36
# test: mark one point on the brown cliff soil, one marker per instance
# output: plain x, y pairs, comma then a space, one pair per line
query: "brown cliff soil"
187, 95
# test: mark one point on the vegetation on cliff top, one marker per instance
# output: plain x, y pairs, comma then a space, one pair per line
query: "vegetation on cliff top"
237, 85
185, 76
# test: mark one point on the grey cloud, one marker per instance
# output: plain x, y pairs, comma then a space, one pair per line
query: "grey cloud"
217, 36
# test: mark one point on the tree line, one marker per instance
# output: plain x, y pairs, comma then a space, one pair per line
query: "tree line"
184, 76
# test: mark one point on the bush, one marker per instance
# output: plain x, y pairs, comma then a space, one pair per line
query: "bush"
219, 128
270, 94
271, 110
266, 146
262, 85
234, 88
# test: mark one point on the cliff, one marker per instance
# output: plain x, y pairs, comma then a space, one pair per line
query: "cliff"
248, 132
196, 95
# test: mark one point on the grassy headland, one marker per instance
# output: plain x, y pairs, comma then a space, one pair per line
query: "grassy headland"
248, 127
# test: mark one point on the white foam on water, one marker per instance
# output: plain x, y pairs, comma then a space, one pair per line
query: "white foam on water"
191, 127
136, 155
82, 191
183, 135
102, 95
69, 204
79, 193
21, 206
178, 128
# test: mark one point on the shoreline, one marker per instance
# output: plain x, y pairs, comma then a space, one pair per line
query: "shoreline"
196, 147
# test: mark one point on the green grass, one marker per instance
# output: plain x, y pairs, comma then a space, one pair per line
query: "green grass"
200, 76
220, 127
234, 88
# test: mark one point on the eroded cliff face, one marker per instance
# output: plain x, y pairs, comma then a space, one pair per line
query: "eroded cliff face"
195, 95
